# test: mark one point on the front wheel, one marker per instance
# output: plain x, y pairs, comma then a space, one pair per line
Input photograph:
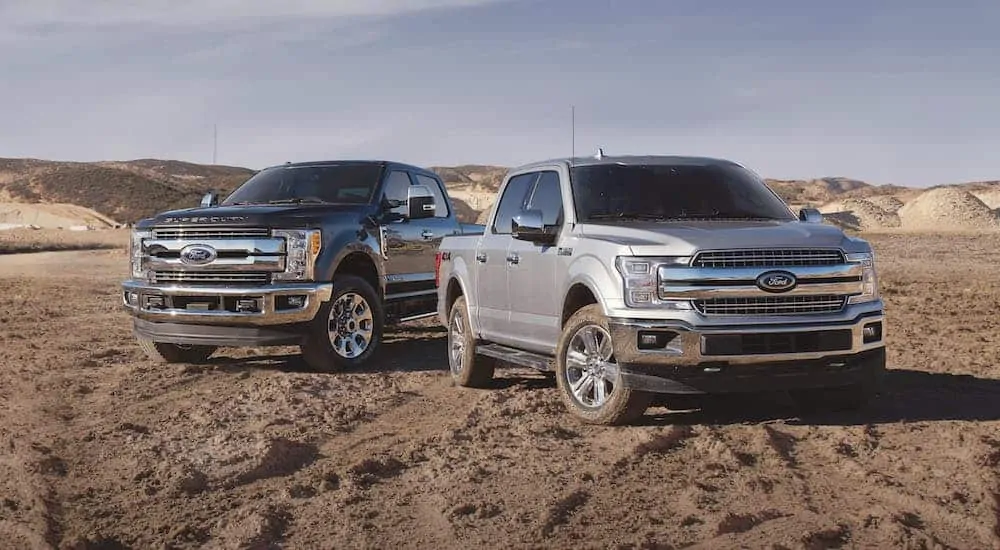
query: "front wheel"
347, 329
587, 375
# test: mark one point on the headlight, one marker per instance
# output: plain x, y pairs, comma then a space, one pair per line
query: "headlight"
302, 247
869, 279
136, 255
639, 275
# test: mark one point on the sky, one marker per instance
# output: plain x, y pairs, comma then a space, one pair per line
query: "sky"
894, 91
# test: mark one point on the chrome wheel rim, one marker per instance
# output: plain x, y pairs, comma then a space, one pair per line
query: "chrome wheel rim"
456, 343
350, 325
591, 373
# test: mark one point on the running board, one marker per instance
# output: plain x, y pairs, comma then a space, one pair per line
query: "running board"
516, 356
416, 317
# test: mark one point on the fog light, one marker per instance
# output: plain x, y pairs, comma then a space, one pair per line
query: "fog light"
246, 305
656, 339
296, 301
154, 302
871, 332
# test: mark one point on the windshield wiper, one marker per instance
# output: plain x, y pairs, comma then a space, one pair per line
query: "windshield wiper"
296, 200
628, 216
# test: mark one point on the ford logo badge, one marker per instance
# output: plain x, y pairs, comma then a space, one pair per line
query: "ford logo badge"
198, 254
776, 281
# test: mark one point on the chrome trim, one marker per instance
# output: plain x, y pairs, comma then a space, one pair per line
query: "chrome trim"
771, 305
746, 291
209, 277
245, 246
214, 232
708, 275
316, 294
768, 257
249, 263
624, 333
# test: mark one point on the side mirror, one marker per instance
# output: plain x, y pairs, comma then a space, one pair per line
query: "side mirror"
419, 202
210, 199
528, 226
810, 215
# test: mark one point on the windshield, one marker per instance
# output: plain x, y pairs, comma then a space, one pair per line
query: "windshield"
334, 183
667, 192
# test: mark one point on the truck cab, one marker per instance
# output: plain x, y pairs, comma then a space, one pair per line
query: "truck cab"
632, 277
322, 255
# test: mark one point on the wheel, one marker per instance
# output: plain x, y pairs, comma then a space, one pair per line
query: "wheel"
587, 376
853, 397
162, 352
347, 330
467, 368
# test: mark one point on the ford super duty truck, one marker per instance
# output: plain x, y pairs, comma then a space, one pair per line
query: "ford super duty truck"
633, 278
321, 254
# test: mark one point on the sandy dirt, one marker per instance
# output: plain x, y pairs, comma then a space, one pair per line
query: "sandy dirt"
48, 240
99, 448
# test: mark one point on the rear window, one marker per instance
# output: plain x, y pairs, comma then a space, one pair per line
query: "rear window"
679, 191
335, 183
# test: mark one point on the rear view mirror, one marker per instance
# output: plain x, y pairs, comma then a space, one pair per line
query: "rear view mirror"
419, 202
810, 215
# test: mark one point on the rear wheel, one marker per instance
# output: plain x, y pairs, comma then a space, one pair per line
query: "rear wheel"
467, 367
587, 375
162, 352
347, 330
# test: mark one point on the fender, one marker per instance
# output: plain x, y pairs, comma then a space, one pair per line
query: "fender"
592, 272
342, 242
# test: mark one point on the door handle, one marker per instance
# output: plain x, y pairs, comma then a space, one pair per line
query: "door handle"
427, 234
480, 257
513, 259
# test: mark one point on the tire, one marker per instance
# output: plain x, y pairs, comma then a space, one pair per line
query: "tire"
355, 338
162, 352
854, 397
467, 368
620, 406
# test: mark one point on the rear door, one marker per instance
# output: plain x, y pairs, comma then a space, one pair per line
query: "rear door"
491, 261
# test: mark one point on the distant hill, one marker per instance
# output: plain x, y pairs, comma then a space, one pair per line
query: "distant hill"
129, 190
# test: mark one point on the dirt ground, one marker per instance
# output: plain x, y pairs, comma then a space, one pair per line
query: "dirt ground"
100, 448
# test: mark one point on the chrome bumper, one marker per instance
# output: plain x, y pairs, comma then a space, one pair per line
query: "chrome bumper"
688, 346
217, 303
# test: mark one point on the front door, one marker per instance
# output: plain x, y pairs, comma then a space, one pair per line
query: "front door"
535, 304
408, 270
492, 291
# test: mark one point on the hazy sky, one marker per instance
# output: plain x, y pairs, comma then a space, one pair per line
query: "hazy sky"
893, 91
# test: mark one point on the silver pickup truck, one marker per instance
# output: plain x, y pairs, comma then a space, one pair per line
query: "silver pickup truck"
633, 278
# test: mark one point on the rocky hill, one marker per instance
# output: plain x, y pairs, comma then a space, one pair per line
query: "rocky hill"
126, 191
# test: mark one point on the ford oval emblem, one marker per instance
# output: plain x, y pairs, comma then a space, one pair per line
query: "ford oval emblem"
198, 254
776, 281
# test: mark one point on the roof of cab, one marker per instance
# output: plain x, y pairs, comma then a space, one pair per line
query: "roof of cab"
380, 162
629, 159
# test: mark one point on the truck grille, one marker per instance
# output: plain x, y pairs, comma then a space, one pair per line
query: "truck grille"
189, 233
768, 257
211, 278
770, 305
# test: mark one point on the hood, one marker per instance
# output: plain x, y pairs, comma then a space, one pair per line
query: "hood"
682, 238
285, 215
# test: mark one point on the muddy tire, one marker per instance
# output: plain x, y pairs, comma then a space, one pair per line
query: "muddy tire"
466, 367
162, 352
347, 331
587, 376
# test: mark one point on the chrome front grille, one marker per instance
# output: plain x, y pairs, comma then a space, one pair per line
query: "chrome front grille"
768, 257
771, 305
189, 233
211, 278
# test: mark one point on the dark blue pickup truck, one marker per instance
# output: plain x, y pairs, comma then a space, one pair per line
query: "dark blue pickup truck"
322, 255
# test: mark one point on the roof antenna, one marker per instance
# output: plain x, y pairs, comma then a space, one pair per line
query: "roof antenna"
600, 153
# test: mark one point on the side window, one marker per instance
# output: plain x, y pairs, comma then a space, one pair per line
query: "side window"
441, 206
396, 185
512, 202
547, 197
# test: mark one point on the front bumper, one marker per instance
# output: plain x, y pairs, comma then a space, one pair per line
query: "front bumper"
275, 304
690, 359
